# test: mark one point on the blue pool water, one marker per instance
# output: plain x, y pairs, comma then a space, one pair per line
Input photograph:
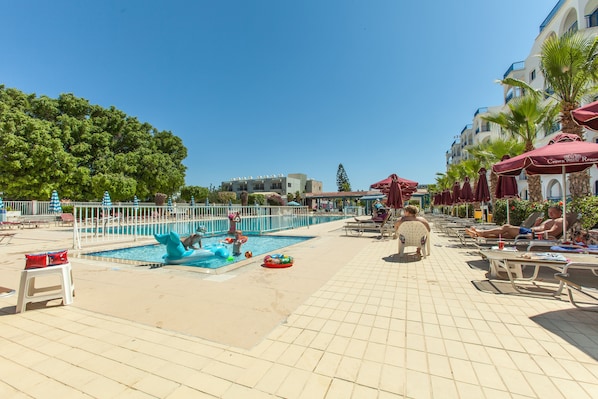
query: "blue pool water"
258, 245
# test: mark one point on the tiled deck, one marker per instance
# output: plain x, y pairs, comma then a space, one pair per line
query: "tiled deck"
367, 327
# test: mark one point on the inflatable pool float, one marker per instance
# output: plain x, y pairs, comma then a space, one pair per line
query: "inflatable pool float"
176, 253
278, 261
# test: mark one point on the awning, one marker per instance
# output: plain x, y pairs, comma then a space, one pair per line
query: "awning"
372, 197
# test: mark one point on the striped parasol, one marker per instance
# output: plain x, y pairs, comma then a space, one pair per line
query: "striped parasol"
192, 201
106, 201
1, 203
169, 204
136, 202
55, 206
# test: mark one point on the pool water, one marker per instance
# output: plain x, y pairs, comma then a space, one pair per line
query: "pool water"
258, 245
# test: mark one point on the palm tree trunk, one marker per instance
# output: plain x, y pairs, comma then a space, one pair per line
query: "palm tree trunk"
534, 186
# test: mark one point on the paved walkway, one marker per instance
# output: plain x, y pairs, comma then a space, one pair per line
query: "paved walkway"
365, 326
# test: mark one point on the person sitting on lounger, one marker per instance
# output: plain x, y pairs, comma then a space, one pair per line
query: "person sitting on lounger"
551, 227
378, 216
192, 241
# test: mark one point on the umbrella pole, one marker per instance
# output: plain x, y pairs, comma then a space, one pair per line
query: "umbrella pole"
564, 205
508, 218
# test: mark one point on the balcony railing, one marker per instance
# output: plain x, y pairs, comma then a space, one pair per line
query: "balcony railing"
516, 66
551, 14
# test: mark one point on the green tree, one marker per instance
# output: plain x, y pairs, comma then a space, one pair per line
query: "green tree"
522, 120
82, 150
342, 180
198, 193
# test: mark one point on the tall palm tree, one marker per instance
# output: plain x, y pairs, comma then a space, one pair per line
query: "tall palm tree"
570, 67
524, 116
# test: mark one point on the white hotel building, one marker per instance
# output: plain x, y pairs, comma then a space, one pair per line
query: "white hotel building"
567, 15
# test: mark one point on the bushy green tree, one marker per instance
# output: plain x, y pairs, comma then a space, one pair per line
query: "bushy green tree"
82, 150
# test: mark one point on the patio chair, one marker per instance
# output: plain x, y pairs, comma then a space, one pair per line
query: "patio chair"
413, 234
67, 218
359, 227
581, 278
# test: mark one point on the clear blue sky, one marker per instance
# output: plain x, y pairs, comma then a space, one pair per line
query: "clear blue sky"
261, 87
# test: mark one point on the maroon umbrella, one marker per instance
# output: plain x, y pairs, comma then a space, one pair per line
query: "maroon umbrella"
395, 196
406, 184
482, 192
466, 194
446, 197
566, 153
506, 188
587, 116
456, 193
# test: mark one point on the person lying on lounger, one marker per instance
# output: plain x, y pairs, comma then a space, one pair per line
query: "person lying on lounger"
551, 227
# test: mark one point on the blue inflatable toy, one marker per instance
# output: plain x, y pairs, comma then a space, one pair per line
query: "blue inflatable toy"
177, 254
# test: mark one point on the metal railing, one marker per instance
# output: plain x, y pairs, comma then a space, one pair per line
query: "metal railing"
94, 224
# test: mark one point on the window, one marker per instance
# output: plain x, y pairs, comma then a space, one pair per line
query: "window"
592, 19
532, 75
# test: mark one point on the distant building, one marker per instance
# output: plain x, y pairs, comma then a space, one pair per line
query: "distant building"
279, 184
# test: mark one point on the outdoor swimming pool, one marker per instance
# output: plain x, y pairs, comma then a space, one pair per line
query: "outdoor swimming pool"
152, 254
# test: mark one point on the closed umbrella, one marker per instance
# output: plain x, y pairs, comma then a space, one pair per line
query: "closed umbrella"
482, 191
395, 195
169, 204
506, 188
192, 201
106, 201
456, 193
136, 202
566, 153
466, 195
1, 203
55, 206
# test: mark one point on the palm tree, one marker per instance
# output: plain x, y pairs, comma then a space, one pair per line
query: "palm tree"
570, 67
524, 116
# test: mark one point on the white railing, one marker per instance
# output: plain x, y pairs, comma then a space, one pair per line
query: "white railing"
94, 224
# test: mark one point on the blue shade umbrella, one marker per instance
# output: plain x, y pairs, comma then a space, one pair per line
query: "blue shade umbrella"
136, 202
169, 204
106, 201
1, 203
55, 206
207, 201
192, 201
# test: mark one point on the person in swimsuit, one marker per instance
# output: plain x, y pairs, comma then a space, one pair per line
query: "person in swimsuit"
551, 227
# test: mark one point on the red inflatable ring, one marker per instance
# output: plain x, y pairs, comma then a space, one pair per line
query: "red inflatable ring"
278, 261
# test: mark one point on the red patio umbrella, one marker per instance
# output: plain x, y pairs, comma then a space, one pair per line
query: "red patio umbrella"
506, 188
587, 116
466, 194
482, 192
395, 196
566, 153
406, 184
456, 193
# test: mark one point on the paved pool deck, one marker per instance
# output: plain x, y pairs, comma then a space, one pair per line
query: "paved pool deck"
348, 320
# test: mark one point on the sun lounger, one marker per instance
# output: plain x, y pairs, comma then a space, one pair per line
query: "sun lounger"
581, 278
357, 228
6, 238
